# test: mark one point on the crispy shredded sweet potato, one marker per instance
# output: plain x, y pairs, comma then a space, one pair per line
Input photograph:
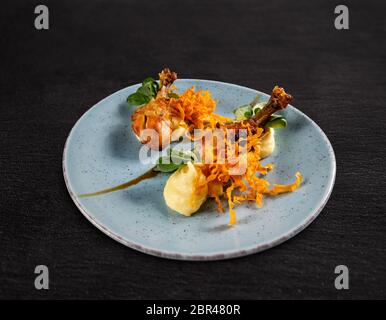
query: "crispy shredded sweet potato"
197, 109
249, 186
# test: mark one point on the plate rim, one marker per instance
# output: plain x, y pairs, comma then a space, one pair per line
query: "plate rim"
234, 253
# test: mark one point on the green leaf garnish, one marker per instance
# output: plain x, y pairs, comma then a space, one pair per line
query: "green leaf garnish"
247, 111
243, 112
136, 99
277, 122
258, 107
174, 160
163, 165
173, 95
248, 114
147, 91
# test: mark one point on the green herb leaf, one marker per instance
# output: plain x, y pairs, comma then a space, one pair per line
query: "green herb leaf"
276, 122
144, 93
258, 107
137, 99
178, 156
243, 112
163, 165
248, 114
173, 95
148, 80
174, 160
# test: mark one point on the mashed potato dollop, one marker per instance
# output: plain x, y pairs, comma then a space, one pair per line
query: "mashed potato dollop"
186, 190
267, 143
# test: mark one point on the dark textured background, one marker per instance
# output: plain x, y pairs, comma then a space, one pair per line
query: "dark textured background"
48, 79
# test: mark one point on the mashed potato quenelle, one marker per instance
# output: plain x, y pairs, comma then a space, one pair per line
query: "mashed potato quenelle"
267, 143
186, 190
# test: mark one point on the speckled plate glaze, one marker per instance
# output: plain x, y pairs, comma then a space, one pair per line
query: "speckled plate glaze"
101, 151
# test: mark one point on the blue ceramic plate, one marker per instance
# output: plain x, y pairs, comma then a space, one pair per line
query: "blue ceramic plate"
101, 151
